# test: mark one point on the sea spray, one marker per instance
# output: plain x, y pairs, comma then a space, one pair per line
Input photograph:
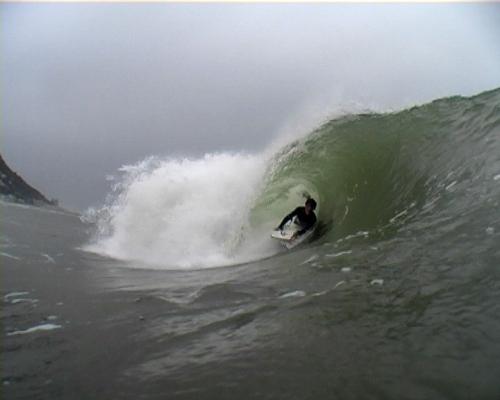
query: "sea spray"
183, 213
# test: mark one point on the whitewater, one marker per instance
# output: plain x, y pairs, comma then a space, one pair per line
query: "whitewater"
180, 212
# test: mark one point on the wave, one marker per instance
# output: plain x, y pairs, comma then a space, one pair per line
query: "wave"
371, 172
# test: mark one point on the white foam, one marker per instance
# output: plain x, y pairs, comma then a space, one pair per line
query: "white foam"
364, 234
15, 301
379, 282
490, 230
182, 213
398, 215
345, 269
48, 258
339, 284
43, 327
15, 294
496, 177
341, 253
9, 255
296, 293
310, 259
450, 185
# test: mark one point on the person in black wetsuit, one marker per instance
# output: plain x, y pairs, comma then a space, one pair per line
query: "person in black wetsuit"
304, 216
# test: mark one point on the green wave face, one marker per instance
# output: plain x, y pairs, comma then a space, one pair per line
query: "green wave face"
372, 172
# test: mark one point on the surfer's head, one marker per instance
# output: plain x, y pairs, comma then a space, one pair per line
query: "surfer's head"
310, 205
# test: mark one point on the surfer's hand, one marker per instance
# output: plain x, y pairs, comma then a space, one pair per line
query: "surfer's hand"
294, 236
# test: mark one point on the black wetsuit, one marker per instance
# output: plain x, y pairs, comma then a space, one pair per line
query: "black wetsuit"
305, 221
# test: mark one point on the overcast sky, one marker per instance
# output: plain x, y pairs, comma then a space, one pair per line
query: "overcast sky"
86, 88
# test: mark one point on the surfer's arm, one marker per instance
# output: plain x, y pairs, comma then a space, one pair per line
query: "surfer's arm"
287, 218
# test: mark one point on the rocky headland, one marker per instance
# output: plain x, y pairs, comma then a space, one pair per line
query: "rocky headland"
13, 188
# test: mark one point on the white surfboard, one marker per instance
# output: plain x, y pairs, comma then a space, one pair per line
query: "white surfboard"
285, 235
282, 235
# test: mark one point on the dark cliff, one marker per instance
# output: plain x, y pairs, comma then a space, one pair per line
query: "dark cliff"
14, 188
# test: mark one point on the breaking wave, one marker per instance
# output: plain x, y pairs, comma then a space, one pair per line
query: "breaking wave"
371, 173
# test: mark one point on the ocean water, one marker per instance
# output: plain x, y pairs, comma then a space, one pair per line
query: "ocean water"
173, 288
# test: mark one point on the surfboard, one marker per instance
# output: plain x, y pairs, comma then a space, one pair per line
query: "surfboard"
285, 235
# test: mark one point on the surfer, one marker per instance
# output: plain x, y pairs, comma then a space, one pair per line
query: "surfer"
304, 217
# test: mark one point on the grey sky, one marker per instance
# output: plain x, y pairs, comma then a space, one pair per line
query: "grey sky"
86, 88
